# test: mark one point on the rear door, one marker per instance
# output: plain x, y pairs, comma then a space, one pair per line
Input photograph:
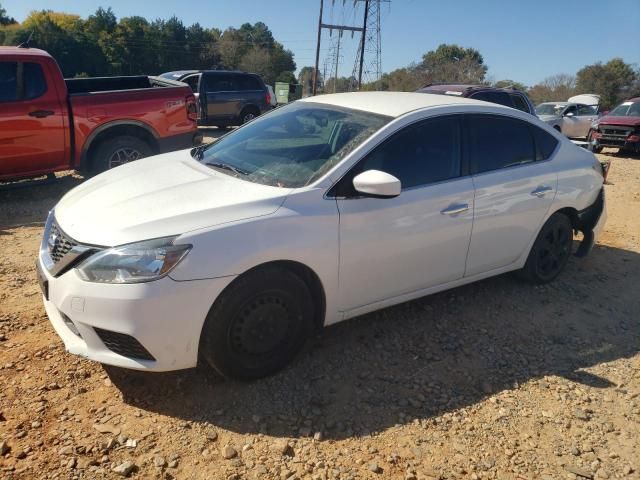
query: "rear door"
221, 93
32, 133
515, 183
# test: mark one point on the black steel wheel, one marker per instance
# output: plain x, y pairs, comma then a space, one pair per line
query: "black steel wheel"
551, 250
258, 324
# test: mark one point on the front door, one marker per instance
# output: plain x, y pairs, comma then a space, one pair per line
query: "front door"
32, 134
221, 97
515, 184
391, 247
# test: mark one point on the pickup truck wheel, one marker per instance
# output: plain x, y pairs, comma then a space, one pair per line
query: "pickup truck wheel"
258, 325
550, 251
117, 151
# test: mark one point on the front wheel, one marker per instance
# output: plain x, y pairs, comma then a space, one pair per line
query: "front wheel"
550, 251
258, 324
593, 148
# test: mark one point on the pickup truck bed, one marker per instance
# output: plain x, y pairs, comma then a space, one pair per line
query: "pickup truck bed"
49, 124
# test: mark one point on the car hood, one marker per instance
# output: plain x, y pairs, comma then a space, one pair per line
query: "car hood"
160, 196
611, 120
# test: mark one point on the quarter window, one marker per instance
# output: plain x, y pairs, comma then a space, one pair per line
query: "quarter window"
498, 142
520, 103
420, 154
8, 81
248, 82
220, 83
545, 143
34, 83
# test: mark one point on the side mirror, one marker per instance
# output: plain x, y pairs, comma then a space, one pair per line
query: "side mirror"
377, 184
569, 114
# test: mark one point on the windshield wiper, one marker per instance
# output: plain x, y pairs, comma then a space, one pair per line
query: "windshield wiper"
198, 152
226, 166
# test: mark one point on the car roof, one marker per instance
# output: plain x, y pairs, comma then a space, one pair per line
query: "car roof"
557, 103
459, 87
23, 51
393, 104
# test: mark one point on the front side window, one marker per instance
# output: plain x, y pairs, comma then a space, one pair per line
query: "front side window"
292, 146
586, 110
8, 81
496, 142
420, 154
34, 83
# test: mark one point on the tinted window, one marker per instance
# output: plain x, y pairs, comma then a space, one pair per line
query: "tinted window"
498, 142
545, 143
520, 103
34, 82
501, 98
248, 82
8, 81
570, 109
420, 154
586, 110
220, 83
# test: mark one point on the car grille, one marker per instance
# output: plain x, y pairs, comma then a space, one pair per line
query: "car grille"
616, 131
123, 344
59, 243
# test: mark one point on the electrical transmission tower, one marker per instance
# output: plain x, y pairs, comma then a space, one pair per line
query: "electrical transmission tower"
368, 64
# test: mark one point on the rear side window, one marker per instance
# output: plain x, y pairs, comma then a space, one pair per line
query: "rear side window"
501, 98
424, 153
545, 143
8, 81
248, 82
520, 103
496, 142
34, 82
220, 83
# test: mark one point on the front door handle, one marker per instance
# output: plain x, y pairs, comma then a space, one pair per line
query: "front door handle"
41, 113
455, 209
541, 191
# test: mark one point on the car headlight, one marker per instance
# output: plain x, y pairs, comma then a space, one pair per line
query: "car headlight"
134, 263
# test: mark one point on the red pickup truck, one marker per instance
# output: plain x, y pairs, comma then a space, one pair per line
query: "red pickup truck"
48, 124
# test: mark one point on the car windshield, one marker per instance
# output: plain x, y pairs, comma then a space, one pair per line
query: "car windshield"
626, 109
291, 146
550, 109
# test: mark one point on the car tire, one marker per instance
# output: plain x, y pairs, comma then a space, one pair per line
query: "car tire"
550, 251
258, 324
117, 151
248, 114
590, 146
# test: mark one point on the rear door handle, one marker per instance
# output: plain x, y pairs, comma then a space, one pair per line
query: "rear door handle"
41, 113
541, 191
455, 209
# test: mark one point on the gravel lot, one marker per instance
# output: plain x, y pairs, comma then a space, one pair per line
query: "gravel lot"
497, 379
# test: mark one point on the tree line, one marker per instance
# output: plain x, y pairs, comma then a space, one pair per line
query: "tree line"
103, 45
614, 80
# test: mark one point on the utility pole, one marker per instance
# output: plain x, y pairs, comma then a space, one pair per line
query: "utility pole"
335, 78
340, 29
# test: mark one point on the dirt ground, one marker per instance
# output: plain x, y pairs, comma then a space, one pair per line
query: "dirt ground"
497, 379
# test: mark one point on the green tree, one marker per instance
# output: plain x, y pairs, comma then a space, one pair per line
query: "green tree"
305, 78
452, 64
510, 84
4, 18
557, 88
613, 81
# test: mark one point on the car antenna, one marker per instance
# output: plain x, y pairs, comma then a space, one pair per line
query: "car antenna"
26, 44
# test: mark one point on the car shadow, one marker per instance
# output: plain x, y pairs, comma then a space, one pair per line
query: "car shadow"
420, 359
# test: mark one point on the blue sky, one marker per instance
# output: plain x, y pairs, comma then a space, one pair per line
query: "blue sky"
524, 41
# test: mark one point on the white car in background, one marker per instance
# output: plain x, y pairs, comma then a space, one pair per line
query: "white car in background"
233, 253
572, 118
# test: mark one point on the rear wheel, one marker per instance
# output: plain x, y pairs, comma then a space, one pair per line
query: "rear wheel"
258, 325
248, 114
117, 151
550, 251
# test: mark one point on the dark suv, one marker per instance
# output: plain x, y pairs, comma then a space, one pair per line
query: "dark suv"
225, 98
503, 96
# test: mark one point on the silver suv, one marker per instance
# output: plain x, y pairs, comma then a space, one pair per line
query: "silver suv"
225, 98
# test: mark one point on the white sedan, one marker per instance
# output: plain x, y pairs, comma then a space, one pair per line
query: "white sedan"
233, 253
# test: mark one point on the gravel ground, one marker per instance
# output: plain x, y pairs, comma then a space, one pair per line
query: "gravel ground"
497, 379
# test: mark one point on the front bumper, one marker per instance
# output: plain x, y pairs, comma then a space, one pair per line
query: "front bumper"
626, 142
165, 317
